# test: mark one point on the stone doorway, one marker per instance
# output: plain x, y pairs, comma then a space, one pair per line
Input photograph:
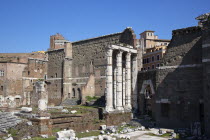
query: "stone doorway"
148, 101
147, 98
17, 101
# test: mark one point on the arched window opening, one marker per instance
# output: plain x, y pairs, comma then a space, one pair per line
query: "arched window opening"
74, 94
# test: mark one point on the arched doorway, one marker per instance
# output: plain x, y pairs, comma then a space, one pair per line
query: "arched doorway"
147, 98
148, 101
74, 94
79, 96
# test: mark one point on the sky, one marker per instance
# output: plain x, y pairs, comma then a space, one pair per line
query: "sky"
26, 25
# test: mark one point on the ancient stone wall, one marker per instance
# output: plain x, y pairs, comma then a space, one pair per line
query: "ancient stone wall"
117, 118
179, 91
37, 68
12, 84
55, 75
21, 57
89, 58
206, 72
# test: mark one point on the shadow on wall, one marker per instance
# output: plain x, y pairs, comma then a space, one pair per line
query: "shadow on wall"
179, 94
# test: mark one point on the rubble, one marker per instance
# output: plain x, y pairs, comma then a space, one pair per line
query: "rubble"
65, 134
73, 111
26, 109
103, 127
65, 111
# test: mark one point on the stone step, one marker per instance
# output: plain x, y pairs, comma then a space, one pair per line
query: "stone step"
70, 102
8, 120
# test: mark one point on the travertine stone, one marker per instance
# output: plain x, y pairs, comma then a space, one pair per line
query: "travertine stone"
67, 74
115, 88
134, 82
109, 82
119, 81
128, 82
124, 96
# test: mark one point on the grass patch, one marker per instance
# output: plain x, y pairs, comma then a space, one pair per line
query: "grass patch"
89, 98
13, 132
87, 134
55, 130
39, 138
166, 135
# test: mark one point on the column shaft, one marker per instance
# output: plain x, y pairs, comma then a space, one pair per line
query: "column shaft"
115, 88
134, 83
124, 92
109, 82
119, 81
128, 81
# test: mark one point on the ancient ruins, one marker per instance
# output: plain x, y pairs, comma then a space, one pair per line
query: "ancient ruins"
102, 81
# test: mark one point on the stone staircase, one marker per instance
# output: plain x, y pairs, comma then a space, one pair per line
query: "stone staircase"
8, 120
69, 102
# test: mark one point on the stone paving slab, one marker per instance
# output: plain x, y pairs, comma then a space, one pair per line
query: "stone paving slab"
140, 135
147, 137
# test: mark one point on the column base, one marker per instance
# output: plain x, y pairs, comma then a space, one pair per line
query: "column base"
109, 109
128, 107
119, 108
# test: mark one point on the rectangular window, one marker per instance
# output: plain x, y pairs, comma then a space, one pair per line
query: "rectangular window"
1, 73
148, 60
153, 58
148, 68
165, 107
158, 57
153, 66
2, 88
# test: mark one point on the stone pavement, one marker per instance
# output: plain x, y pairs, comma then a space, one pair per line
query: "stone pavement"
141, 135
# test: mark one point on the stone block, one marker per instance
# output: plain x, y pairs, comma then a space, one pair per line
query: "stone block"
103, 127
65, 134
26, 109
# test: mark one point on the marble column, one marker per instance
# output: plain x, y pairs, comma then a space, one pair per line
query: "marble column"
124, 92
109, 82
119, 81
134, 83
128, 82
115, 88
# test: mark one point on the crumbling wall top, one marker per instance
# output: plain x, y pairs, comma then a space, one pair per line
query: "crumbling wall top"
184, 31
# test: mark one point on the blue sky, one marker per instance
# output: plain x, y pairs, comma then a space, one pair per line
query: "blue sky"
26, 25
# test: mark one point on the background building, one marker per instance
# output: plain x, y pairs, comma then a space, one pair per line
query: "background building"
152, 57
149, 40
18, 72
153, 49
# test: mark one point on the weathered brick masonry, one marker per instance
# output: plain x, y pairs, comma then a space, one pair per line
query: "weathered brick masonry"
88, 58
181, 84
